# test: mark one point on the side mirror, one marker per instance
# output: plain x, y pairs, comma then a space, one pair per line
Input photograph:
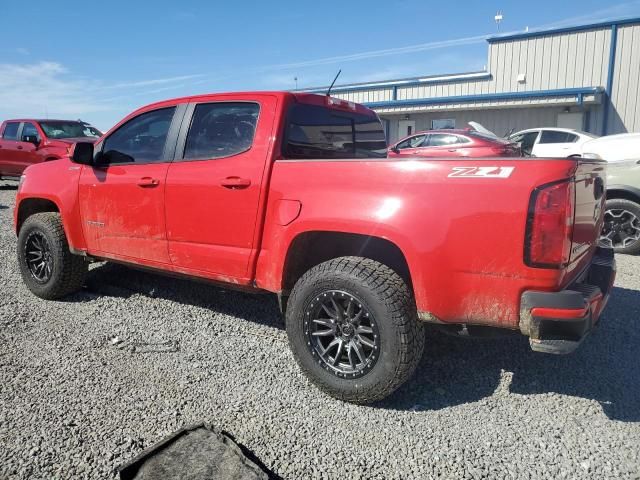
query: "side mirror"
82, 153
31, 139
395, 149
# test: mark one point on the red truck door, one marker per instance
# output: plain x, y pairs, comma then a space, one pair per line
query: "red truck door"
122, 197
26, 153
214, 184
9, 149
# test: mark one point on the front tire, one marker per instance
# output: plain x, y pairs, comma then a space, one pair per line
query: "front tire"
47, 266
353, 329
621, 230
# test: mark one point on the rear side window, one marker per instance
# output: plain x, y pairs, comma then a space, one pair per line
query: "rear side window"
11, 131
141, 139
221, 130
314, 131
441, 140
553, 136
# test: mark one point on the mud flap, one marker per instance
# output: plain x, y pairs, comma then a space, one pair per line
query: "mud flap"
193, 453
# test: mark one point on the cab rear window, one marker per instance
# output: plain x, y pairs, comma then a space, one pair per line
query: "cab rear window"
314, 132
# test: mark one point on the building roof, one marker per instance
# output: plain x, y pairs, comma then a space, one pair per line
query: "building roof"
564, 29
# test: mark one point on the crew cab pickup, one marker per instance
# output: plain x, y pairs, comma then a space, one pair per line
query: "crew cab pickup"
24, 142
292, 193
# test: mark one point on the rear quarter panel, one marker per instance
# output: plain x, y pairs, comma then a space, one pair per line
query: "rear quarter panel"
462, 237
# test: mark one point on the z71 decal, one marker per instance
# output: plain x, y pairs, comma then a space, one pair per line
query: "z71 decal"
481, 172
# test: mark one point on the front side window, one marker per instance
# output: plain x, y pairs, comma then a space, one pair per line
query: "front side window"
57, 129
554, 136
221, 130
314, 131
29, 130
412, 142
442, 140
140, 140
11, 131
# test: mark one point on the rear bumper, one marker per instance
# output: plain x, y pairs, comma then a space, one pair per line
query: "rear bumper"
557, 322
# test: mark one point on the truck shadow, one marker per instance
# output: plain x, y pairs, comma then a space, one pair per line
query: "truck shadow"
605, 368
453, 371
115, 280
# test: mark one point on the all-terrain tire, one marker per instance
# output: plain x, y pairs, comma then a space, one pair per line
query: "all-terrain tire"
620, 204
68, 271
388, 299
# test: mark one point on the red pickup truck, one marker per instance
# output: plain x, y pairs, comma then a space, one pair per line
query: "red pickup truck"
24, 142
293, 194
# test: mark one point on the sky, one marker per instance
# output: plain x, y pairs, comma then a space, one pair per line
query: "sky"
98, 61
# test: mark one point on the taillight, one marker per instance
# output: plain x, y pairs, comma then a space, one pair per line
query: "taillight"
550, 225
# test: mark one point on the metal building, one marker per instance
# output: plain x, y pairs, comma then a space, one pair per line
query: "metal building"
585, 77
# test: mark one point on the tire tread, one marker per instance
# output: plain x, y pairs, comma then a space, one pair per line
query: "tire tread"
395, 294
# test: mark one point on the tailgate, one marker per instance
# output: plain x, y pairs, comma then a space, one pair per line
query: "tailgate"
590, 178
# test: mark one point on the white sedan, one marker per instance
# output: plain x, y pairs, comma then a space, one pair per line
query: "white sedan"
551, 142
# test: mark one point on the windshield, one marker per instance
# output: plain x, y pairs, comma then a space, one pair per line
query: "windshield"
59, 129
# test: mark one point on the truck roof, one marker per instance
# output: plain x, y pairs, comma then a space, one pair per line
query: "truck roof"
38, 120
301, 97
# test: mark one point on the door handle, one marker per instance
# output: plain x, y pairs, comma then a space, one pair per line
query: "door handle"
453, 149
148, 182
19, 147
235, 183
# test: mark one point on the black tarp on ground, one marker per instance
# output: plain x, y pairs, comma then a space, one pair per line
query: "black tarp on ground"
193, 453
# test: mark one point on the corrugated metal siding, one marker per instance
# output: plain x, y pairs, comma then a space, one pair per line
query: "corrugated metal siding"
577, 59
500, 121
564, 60
624, 113
553, 61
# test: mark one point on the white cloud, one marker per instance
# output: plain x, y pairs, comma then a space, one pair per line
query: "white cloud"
48, 89
38, 89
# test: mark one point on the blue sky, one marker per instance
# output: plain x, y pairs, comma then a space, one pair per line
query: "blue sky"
100, 60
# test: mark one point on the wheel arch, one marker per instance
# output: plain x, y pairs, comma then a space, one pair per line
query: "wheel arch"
31, 206
312, 248
623, 192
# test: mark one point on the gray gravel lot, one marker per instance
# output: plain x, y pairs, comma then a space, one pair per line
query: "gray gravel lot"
87, 383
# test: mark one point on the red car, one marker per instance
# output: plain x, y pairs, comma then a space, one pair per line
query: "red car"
294, 194
24, 142
453, 143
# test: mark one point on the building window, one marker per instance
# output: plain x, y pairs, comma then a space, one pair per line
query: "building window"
443, 123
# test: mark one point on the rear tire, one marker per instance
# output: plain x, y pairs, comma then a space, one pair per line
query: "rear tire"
47, 266
377, 339
621, 230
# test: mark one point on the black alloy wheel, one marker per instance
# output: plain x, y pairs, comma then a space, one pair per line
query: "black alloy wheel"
38, 256
342, 334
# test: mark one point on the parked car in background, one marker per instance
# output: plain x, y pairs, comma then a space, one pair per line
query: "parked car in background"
453, 143
621, 230
294, 194
27, 141
551, 142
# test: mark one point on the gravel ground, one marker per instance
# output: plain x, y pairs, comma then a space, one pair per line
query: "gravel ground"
87, 383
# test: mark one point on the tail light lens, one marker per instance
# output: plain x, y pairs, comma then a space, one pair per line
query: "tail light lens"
550, 225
